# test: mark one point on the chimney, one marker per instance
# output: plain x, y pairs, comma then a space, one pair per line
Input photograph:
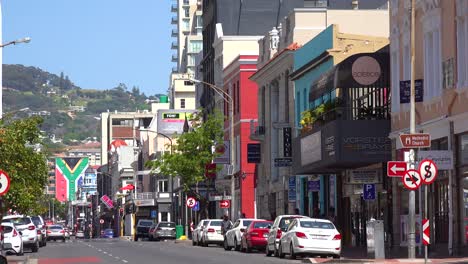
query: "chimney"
355, 4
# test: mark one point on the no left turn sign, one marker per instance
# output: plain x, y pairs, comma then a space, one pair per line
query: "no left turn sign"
428, 171
4, 182
412, 179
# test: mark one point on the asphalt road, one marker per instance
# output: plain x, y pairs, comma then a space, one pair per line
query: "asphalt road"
114, 251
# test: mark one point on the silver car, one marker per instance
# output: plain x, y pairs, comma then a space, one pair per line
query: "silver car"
163, 230
56, 232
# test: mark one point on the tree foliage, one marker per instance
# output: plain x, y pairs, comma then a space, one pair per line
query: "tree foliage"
24, 163
192, 152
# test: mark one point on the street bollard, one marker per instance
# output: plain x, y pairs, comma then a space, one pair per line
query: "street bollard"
375, 239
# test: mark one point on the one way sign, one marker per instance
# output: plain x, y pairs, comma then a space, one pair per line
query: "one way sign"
396, 168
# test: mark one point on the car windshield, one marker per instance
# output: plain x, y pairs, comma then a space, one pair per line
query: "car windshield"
146, 223
246, 222
56, 227
7, 229
18, 220
215, 223
262, 224
166, 224
36, 220
316, 224
284, 223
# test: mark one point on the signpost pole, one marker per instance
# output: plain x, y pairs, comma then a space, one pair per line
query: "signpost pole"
412, 198
425, 216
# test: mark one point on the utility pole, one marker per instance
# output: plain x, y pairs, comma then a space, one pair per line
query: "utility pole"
412, 158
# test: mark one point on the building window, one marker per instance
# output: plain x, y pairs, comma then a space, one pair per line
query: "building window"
186, 25
432, 55
462, 43
163, 186
187, 12
182, 103
195, 46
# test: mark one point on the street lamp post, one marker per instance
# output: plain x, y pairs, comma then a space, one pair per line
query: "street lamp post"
227, 98
14, 42
171, 178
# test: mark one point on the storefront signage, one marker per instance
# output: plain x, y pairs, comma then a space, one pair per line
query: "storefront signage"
330, 146
311, 148
172, 121
292, 189
283, 162
313, 186
363, 176
443, 158
145, 202
223, 151
405, 92
366, 70
287, 142
253, 153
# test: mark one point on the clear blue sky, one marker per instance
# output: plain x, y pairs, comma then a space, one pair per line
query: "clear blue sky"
97, 43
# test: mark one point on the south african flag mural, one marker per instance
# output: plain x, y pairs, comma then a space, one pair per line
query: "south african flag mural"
69, 174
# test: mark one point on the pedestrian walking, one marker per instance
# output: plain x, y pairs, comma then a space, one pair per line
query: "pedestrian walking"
226, 224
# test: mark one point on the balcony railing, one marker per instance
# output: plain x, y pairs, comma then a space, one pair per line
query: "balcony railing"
186, 2
175, 32
146, 195
316, 3
174, 45
174, 69
174, 57
174, 20
174, 8
347, 113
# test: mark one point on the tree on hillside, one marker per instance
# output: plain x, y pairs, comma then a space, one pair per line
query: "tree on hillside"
192, 153
26, 166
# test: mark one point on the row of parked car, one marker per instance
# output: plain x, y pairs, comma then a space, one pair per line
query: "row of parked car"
18, 232
147, 228
293, 235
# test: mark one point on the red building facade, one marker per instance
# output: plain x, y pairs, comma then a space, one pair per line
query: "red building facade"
244, 94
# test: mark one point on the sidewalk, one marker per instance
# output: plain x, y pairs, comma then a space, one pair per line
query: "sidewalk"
394, 255
17, 259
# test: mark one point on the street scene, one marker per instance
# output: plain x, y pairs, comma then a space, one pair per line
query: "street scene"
233, 131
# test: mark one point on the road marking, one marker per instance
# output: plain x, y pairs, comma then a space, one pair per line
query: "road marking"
124, 261
117, 257
110, 255
99, 250
104, 252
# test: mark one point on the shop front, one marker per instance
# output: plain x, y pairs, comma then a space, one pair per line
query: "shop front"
344, 145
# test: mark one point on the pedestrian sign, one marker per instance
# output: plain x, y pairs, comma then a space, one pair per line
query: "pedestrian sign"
369, 192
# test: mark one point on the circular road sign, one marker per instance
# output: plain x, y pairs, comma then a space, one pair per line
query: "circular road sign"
101, 221
412, 179
428, 171
191, 202
4, 182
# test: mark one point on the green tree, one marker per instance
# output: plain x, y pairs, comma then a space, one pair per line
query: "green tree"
192, 153
24, 163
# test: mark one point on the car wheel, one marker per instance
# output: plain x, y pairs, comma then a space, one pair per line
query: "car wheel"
267, 251
35, 247
236, 247
291, 251
275, 250
280, 251
225, 243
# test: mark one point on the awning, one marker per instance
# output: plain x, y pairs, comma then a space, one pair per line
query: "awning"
127, 187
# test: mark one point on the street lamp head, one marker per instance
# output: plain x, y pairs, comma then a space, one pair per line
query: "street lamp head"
24, 40
194, 80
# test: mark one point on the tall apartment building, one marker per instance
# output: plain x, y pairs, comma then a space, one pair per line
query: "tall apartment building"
188, 43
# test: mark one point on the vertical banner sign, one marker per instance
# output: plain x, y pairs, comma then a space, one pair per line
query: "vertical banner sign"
69, 174
292, 189
287, 145
426, 232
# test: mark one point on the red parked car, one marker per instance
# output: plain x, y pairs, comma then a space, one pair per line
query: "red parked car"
255, 236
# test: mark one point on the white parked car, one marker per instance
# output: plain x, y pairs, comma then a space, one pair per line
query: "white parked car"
309, 236
25, 225
233, 237
280, 225
198, 231
211, 234
12, 241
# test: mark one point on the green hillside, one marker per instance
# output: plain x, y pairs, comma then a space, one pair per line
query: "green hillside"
70, 113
